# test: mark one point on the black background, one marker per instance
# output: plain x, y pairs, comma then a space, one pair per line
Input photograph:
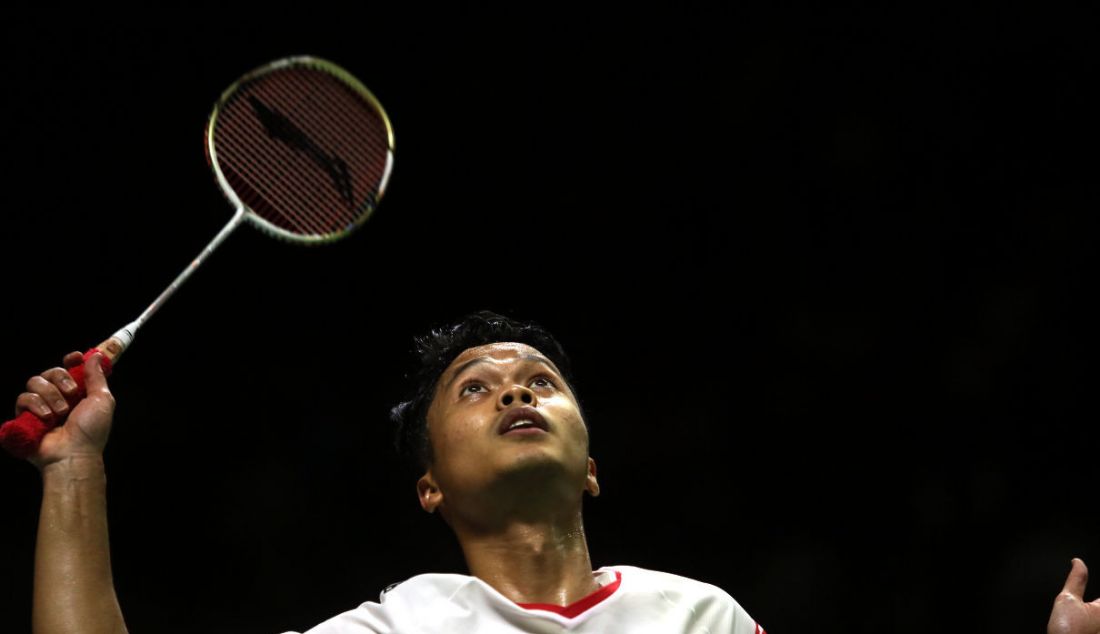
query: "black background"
821, 275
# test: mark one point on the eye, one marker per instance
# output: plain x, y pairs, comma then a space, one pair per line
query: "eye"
471, 388
542, 381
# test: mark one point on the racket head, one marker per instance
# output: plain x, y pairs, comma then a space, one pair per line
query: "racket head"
302, 147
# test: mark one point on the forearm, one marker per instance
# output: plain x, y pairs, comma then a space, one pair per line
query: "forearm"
73, 588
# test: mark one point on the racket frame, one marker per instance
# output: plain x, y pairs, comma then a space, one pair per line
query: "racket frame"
251, 216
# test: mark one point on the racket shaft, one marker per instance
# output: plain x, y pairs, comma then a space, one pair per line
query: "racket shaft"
233, 223
22, 436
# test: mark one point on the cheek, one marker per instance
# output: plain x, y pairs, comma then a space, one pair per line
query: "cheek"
456, 442
571, 418
449, 442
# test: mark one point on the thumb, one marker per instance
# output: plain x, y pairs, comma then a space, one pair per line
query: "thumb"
94, 379
1077, 579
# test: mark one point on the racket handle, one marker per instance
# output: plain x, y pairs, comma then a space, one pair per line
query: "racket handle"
21, 436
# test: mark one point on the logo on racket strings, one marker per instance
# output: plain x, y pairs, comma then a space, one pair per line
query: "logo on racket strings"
280, 128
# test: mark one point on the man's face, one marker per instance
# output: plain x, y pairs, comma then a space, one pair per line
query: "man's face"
479, 397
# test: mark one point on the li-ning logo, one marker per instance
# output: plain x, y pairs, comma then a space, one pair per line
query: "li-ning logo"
280, 128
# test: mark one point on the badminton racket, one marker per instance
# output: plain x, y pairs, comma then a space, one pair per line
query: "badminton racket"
302, 151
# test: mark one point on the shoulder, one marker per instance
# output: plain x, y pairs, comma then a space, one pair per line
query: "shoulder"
426, 586
666, 581
399, 605
698, 597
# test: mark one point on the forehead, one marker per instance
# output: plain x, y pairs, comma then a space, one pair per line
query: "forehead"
502, 352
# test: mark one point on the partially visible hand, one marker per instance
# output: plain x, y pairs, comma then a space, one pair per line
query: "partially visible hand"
53, 397
1071, 615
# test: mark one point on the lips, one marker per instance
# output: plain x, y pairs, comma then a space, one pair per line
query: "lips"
521, 413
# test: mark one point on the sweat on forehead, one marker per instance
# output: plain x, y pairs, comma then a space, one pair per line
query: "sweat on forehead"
493, 353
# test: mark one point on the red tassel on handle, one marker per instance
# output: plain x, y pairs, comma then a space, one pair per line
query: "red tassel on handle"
21, 436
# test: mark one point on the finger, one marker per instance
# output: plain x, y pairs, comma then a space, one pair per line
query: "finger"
35, 404
49, 393
72, 359
94, 379
63, 380
1077, 579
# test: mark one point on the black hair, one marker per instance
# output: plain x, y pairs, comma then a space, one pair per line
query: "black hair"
437, 349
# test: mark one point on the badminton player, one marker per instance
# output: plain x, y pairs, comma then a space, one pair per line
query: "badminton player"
499, 436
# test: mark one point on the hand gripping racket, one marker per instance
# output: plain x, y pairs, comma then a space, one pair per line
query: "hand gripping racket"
302, 150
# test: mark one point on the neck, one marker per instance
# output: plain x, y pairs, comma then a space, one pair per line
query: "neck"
531, 560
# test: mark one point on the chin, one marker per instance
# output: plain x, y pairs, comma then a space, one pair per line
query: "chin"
532, 464
540, 470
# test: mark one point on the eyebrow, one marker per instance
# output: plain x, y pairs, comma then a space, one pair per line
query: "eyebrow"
472, 362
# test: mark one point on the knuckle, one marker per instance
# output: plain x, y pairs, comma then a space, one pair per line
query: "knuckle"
59, 376
33, 403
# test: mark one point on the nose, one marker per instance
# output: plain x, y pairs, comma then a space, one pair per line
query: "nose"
517, 394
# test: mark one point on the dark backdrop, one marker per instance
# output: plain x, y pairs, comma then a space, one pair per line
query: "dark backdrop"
821, 276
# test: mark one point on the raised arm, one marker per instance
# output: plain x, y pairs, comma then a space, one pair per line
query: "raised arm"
74, 592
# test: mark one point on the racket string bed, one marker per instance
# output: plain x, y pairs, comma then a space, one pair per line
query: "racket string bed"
322, 147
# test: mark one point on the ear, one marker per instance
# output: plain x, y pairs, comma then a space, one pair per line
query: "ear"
427, 491
590, 484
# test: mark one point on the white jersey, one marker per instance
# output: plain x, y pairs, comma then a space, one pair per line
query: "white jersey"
630, 600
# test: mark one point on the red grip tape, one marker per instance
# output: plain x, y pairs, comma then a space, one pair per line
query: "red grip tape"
22, 436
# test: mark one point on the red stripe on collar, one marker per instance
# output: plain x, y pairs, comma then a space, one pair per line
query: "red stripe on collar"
579, 606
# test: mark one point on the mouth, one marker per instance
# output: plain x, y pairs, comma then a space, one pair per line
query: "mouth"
522, 420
